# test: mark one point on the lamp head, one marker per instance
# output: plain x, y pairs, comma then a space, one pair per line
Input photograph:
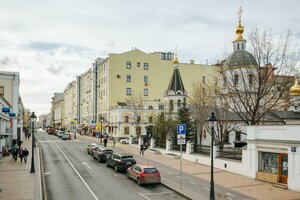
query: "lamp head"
212, 120
33, 117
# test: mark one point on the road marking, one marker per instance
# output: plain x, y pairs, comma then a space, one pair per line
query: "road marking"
144, 196
84, 163
205, 188
86, 185
179, 177
169, 172
229, 198
230, 194
47, 173
192, 182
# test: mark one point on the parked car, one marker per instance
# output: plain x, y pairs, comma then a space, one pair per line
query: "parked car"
90, 146
120, 162
102, 153
66, 136
95, 148
60, 133
143, 174
126, 140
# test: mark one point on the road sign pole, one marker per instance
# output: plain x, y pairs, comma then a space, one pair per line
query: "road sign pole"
181, 166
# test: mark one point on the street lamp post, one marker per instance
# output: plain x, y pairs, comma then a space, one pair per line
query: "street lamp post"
32, 119
212, 121
101, 133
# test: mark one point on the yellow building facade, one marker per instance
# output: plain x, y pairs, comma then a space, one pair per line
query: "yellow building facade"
70, 101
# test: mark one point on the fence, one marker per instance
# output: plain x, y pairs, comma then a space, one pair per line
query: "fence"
176, 147
230, 153
205, 150
160, 144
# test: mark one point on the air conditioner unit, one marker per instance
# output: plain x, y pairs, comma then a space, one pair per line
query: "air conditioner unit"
146, 84
118, 76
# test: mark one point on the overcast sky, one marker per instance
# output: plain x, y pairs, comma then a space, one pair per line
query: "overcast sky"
51, 41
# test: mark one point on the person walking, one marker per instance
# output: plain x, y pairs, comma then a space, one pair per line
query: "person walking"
142, 149
105, 141
114, 142
25, 154
21, 154
15, 152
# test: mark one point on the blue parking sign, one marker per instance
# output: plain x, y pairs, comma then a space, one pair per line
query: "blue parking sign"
181, 130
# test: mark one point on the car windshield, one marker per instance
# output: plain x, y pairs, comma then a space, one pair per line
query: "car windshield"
107, 151
150, 170
126, 157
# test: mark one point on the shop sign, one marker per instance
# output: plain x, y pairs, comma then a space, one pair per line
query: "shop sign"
6, 110
293, 149
274, 148
12, 114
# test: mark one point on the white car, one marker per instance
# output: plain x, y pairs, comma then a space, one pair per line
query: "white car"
124, 141
66, 136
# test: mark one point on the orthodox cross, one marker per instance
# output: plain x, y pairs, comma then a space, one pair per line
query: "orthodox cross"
239, 13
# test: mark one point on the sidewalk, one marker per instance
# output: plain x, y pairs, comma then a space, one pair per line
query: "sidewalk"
253, 188
16, 181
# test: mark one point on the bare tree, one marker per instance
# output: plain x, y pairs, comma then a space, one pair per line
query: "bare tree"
136, 106
252, 91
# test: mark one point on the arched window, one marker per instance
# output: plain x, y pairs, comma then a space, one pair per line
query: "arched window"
236, 79
238, 46
179, 104
150, 108
171, 105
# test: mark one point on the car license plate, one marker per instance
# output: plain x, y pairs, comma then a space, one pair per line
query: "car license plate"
128, 163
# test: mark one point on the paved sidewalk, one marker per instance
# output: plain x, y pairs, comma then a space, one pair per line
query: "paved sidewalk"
16, 181
253, 188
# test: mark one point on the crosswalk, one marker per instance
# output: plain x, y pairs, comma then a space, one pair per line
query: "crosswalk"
57, 141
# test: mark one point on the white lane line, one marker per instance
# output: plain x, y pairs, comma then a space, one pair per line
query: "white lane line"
229, 198
179, 177
144, 196
83, 181
84, 163
157, 193
169, 172
192, 182
205, 188
230, 194
47, 173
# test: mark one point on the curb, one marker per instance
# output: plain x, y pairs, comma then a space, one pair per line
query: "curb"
43, 185
177, 192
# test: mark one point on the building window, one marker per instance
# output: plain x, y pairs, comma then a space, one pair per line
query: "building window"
126, 130
216, 81
138, 119
145, 79
138, 64
237, 136
145, 66
128, 91
126, 119
138, 130
150, 119
145, 92
268, 162
236, 79
150, 107
128, 65
128, 78
1, 90
203, 79
179, 104
171, 106
251, 79
204, 134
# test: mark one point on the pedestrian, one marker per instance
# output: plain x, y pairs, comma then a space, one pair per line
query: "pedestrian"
19, 143
105, 141
25, 153
15, 152
142, 149
29, 134
21, 154
114, 142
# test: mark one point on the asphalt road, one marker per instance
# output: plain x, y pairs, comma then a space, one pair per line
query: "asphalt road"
70, 173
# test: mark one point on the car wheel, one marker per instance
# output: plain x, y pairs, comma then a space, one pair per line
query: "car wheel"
123, 142
99, 159
107, 165
116, 168
139, 181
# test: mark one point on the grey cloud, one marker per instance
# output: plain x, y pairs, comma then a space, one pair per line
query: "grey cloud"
44, 45
5, 61
55, 70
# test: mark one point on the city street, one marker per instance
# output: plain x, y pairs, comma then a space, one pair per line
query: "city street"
70, 173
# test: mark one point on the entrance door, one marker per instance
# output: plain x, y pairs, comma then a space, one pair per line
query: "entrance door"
283, 168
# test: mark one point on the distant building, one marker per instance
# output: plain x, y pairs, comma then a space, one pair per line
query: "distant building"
71, 104
58, 110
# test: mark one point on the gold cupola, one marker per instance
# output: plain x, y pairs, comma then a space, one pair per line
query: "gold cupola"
295, 89
175, 61
239, 31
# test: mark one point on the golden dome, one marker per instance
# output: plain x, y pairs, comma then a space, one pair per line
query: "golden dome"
239, 31
295, 89
175, 62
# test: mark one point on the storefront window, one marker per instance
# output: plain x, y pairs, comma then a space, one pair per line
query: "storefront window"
268, 162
